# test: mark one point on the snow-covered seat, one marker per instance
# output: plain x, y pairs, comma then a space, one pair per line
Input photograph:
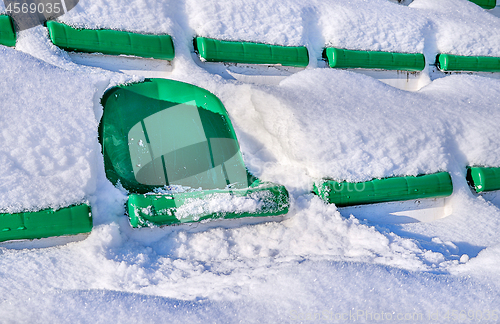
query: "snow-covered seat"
382, 190
248, 61
172, 145
483, 179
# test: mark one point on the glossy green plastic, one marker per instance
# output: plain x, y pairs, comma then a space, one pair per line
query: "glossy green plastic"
46, 223
342, 194
7, 32
350, 59
448, 62
213, 50
156, 209
485, 4
169, 135
111, 42
484, 179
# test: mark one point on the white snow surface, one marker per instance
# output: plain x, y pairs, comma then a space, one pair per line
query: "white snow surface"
49, 144
315, 265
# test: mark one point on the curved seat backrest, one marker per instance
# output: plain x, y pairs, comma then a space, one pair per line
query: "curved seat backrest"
163, 132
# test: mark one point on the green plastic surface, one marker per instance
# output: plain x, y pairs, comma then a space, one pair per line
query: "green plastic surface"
7, 32
163, 134
350, 59
484, 179
486, 4
46, 223
448, 62
383, 190
152, 209
213, 50
111, 42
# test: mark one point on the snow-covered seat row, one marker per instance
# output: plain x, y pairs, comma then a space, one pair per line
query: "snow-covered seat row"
342, 194
448, 62
252, 53
112, 42
172, 146
484, 179
350, 59
7, 33
212, 50
485, 4
46, 223
161, 47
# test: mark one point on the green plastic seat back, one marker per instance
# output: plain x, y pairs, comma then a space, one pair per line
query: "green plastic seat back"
111, 42
163, 132
7, 32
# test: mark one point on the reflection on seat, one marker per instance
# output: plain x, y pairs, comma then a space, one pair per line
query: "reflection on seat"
174, 138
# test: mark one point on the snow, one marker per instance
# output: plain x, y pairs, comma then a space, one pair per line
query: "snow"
220, 203
316, 264
147, 16
459, 27
49, 146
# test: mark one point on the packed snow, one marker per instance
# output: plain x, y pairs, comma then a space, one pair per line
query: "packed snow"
315, 264
50, 148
